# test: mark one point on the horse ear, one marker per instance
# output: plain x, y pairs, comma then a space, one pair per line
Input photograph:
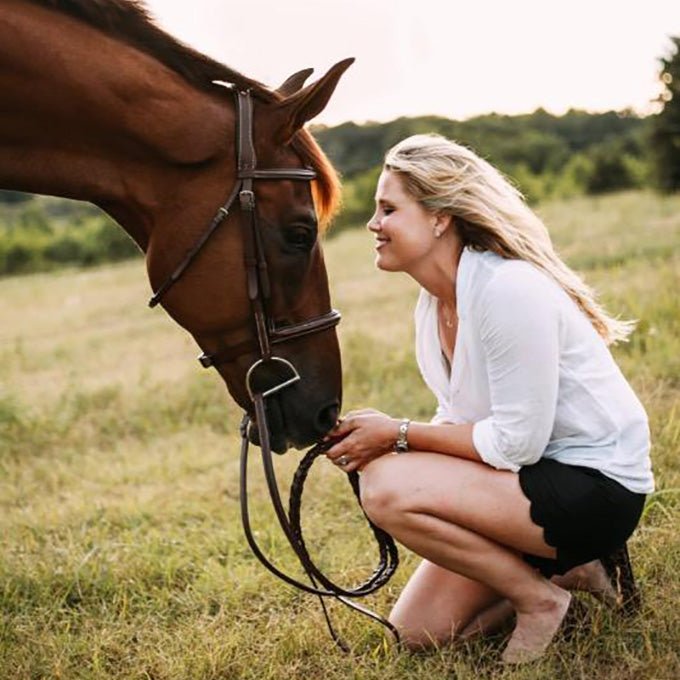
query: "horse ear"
295, 82
294, 111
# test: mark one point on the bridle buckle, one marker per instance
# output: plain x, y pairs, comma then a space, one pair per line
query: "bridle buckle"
247, 199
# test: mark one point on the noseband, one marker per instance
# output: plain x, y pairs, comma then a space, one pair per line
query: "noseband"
260, 385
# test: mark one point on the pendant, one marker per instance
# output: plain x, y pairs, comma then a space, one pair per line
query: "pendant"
448, 322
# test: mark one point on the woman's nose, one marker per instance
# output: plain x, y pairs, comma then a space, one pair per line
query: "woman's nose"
373, 224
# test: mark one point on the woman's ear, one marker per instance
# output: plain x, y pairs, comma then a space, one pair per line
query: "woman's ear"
442, 222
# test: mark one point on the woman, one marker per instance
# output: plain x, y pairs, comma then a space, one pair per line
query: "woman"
536, 463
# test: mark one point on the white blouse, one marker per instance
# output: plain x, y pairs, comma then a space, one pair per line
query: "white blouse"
532, 374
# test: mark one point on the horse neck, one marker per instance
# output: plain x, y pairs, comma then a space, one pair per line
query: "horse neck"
88, 117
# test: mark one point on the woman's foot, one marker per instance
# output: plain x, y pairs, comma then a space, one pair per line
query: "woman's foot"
537, 626
590, 578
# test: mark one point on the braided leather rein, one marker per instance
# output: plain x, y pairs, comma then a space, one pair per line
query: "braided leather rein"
290, 523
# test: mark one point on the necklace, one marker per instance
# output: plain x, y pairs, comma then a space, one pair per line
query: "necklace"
449, 320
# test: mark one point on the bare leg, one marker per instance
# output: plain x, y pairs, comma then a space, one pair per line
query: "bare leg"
540, 604
489, 620
436, 604
471, 520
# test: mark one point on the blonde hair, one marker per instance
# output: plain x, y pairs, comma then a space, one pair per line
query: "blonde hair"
490, 214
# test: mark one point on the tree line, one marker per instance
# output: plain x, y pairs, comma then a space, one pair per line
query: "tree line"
40, 233
544, 155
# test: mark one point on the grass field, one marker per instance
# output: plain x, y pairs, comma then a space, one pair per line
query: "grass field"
122, 554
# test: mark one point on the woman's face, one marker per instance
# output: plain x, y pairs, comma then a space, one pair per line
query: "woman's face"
404, 231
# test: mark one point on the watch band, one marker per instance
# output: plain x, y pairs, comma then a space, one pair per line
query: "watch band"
401, 445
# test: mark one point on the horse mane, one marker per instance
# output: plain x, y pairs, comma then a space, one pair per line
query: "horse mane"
129, 21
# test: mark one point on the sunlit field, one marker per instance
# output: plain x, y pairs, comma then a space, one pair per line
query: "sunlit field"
122, 554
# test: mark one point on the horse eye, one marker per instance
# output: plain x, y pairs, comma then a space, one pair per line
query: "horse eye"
300, 237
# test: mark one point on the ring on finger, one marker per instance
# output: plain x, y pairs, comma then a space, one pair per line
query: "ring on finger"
343, 460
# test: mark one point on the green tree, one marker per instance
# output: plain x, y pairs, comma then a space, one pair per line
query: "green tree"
609, 171
665, 137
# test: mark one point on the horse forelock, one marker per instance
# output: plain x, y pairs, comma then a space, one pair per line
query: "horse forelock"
326, 188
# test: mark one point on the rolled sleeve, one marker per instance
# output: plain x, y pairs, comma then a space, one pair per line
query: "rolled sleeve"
519, 326
440, 416
489, 447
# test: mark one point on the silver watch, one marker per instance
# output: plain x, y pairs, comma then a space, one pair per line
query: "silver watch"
401, 445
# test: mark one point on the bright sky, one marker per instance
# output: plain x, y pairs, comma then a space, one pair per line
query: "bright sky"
445, 57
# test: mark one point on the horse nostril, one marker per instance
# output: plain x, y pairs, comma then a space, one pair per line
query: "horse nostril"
327, 417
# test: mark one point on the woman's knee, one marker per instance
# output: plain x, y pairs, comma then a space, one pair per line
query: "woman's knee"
380, 490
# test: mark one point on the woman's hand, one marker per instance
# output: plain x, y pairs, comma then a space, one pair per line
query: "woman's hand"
363, 435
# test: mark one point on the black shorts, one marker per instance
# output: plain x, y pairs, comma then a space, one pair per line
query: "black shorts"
584, 514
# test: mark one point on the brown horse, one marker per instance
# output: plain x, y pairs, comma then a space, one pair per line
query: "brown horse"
99, 104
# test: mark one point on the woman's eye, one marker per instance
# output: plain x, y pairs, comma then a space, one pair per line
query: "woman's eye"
388, 211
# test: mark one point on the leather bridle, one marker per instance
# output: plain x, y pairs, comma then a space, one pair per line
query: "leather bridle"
257, 276
258, 378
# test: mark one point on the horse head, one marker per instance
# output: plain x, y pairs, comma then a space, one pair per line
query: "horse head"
216, 301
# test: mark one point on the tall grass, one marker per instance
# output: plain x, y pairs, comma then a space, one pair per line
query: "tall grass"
122, 555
